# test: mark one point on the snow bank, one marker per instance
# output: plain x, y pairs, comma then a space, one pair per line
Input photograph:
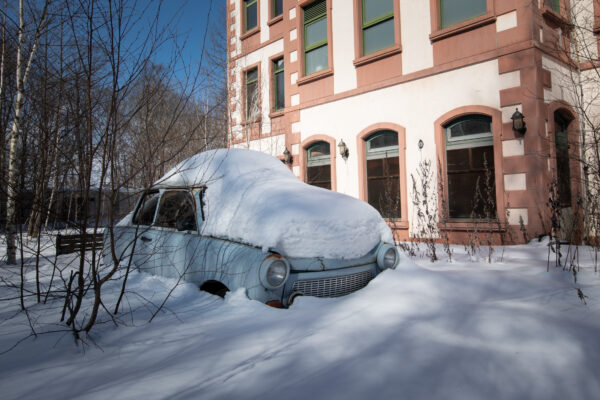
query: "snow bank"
252, 197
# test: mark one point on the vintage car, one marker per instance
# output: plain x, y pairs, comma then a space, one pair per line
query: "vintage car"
231, 218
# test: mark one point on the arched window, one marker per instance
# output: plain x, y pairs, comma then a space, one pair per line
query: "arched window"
318, 165
383, 173
563, 168
470, 167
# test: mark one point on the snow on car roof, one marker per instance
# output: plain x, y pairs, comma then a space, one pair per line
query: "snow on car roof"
254, 198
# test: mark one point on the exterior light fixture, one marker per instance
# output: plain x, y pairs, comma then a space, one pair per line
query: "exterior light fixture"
518, 121
420, 144
287, 157
343, 149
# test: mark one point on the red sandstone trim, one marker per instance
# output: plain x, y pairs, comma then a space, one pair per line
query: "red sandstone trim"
332, 154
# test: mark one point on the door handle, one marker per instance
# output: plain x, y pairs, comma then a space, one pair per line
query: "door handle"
145, 239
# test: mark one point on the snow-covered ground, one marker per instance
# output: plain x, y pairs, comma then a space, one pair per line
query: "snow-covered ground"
461, 330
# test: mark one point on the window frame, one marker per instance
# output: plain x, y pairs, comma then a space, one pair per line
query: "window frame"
245, 5
399, 225
318, 161
468, 142
324, 42
438, 33
560, 121
382, 153
308, 142
141, 201
246, 118
359, 57
445, 223
303, 78
273, 12
163, 195
274, 71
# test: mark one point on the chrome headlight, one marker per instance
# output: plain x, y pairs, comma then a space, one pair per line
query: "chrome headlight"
387, 256
274, 271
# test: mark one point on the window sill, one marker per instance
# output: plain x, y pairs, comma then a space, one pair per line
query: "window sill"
492, 225
276, 114
464, 26
275, 20
247, 122
378, 55
554, 19
397, 223
316, 76
250, 33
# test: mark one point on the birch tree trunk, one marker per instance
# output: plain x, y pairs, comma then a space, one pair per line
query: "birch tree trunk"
21, 77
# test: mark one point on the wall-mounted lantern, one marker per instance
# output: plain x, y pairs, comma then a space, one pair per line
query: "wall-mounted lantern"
343, 149
518, 121
287, 157
420, 144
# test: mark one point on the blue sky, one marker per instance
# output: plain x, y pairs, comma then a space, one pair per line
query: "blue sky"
190, 19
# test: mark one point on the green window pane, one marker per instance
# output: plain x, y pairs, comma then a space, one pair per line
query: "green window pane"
455, 11
382, 139
251, 93
553, 4
279, 85
252, 75
316, 60
251, 14
318, 150
472, 125
315, 32
379, 36
279, 65
315, 10
277, 7
373, 9
563, 166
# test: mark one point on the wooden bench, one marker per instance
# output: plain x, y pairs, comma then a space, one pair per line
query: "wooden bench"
66, 244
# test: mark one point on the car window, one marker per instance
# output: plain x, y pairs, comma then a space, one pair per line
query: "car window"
176, 210
145, 212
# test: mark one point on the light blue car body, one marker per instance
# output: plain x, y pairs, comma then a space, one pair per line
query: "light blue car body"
198, 258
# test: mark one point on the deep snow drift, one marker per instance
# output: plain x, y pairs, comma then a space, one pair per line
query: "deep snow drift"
461, 330
253, 197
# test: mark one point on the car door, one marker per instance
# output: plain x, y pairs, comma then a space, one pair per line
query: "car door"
175, 233
144, 231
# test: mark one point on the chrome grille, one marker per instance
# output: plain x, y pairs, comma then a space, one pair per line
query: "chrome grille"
333, 287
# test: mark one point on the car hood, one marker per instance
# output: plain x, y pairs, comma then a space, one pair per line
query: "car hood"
253, 198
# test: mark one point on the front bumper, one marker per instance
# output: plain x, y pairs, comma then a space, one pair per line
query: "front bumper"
329, 283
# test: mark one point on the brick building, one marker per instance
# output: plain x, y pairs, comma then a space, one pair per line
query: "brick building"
356, 95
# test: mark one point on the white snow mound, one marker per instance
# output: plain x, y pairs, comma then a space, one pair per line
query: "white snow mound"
254, 198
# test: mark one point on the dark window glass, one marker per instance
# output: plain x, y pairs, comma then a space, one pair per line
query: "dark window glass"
563, 167
251, 12
383, 186
279, 82
145, 213
553, 4
277, 7
383, 173
176, 211
251, 93
318, 165
377, 25
471, 125
470, 168
471, 183
453, 12
316, 56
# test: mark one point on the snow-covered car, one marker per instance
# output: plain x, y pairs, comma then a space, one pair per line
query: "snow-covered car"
230, 218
